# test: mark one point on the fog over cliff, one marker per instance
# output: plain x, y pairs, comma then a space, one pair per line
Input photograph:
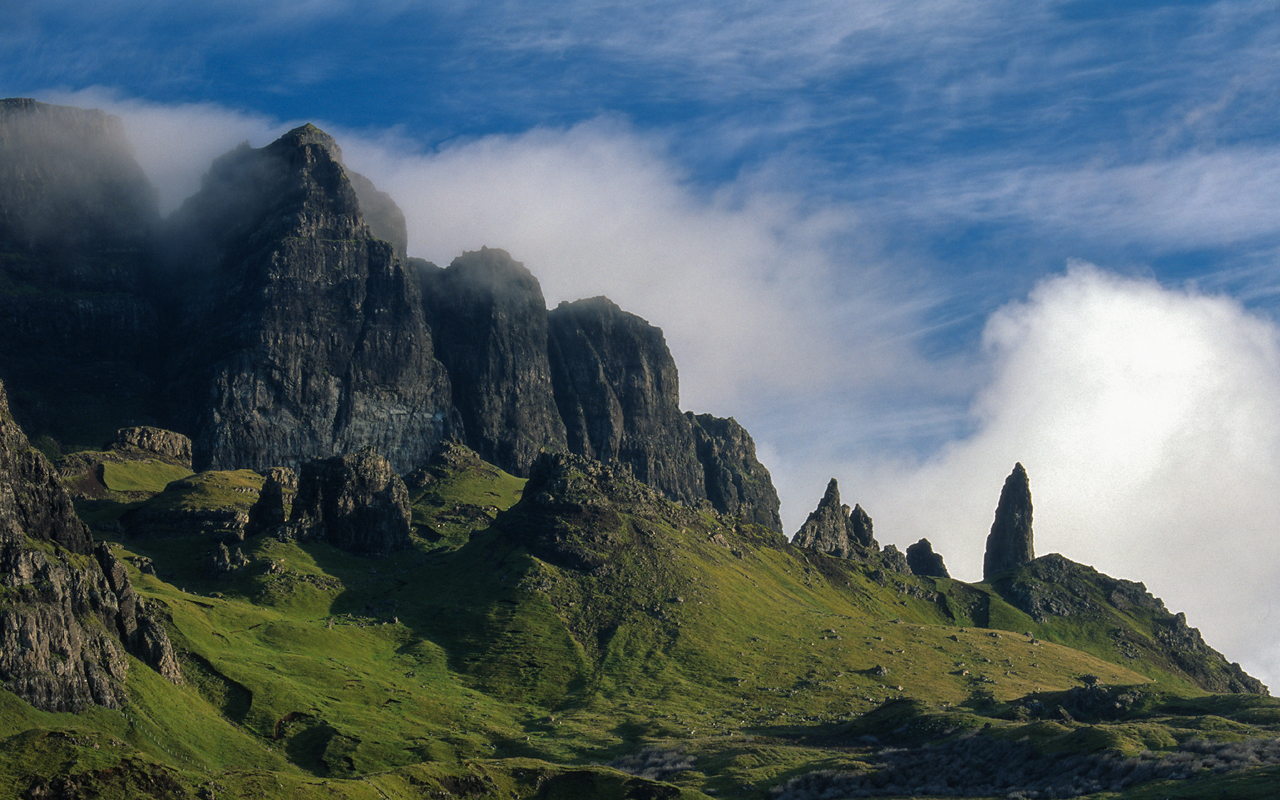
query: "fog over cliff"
1147, 414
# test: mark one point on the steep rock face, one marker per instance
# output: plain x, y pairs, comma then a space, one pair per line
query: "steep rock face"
737, 483
65, 607
923, 561
356, 503
490, 325
1009, 545
76, 219
309, 338
618, 394
69, 181
1056, 587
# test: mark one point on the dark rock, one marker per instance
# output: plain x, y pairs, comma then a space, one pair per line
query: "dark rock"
69, 610
490, 325
618, 393
1009, 545
381, 214
860, 528
172, 446
223, 563
69, 181
737, 483
827, 527
924, 561
303, 334
834, 529
356, 503
894, 560
159, 519
269, 511
570, 513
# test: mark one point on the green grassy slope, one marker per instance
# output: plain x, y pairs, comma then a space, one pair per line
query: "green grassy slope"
517, 649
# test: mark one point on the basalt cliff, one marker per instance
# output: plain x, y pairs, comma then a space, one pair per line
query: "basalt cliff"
274, 318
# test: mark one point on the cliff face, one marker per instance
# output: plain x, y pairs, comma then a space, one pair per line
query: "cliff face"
76, 223
490, 322
618, 393
737, 483
274, 319
310, 338
67, 610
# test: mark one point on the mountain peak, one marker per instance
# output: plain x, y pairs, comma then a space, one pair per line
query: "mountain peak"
310, 134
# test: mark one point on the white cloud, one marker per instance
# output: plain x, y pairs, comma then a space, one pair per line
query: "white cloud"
742, 281
175, 144
1149, 422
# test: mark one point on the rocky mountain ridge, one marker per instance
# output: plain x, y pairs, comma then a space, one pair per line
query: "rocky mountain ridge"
274, 319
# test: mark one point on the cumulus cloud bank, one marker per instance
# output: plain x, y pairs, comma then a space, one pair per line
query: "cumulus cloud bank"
1148, 420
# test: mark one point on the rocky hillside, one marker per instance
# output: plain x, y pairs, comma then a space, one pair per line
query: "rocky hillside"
578, 635
279, 307
68, 612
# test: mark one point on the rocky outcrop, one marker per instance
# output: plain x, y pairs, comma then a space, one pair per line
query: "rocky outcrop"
1054, 587
308, 338
270, 510
490, 325
736, 482
356, 503
171, 446
570, 512
923, 561
834, 529
67, 610
1009, 545
827, 527
224, 563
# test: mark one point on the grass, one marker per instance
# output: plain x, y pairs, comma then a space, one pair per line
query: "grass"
150, 475
482, 663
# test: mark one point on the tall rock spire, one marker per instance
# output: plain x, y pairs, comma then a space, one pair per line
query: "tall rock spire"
1010, 544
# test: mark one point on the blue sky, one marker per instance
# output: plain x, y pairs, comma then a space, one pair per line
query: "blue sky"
905, 243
